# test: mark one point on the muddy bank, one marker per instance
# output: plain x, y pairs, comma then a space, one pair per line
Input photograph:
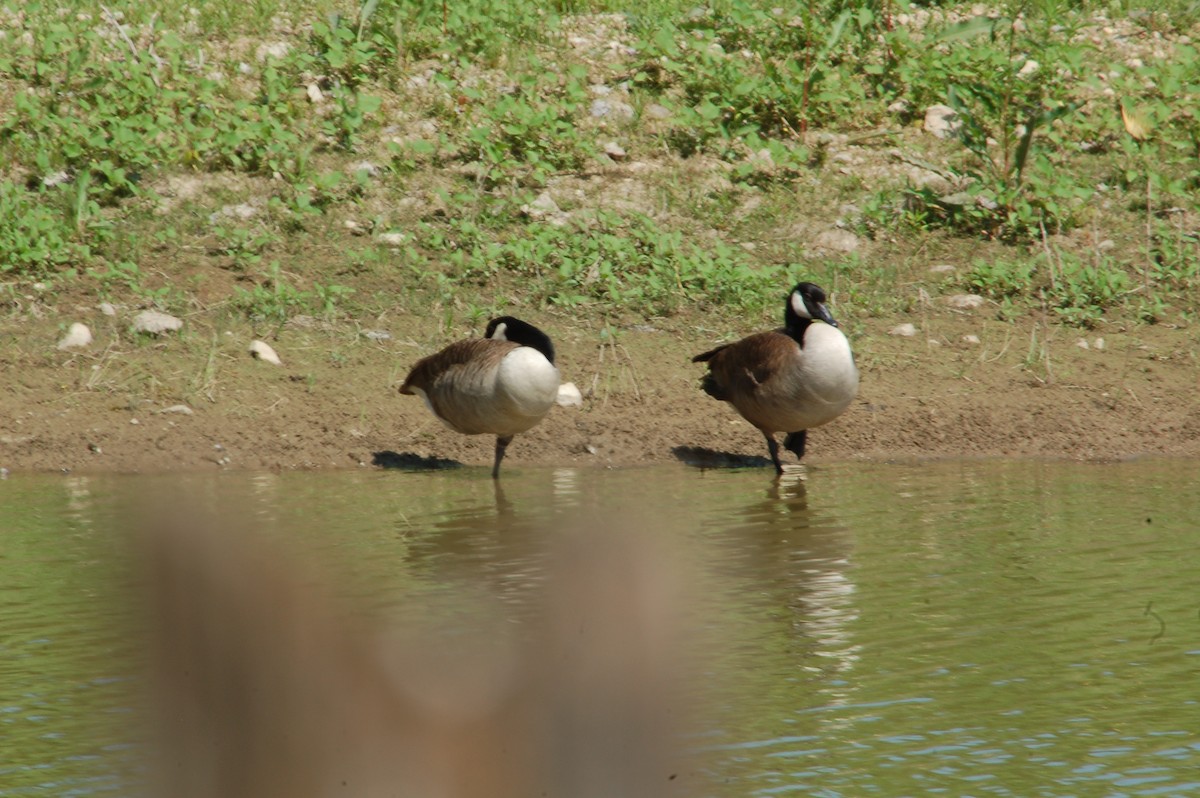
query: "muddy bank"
196, 400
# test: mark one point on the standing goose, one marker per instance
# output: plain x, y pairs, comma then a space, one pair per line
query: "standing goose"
501, 384
788, 380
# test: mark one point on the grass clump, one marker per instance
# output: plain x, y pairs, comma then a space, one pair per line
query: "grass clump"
466, 106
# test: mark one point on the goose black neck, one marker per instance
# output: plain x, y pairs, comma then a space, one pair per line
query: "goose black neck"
795, 325
523, 333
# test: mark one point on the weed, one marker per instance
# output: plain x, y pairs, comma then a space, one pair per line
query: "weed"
36, 237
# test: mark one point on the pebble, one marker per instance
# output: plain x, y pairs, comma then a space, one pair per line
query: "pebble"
569, 396
275, 50
263, 351
614, 151
155, 322
970, 339
182, 410
837, 240
656, 111
612, 108
368, 168
243, 210
107, 309
77, 336
942, 121
942, 268
314, 92
965, 301
391, 239
905, 330
542, 207
377, 335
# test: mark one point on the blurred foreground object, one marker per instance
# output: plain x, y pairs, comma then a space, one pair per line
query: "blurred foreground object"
262, 688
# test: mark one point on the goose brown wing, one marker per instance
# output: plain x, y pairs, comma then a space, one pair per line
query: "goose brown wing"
477, 354
748, 366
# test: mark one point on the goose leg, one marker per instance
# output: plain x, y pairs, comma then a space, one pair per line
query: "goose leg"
773, 448
794, 442
501, 445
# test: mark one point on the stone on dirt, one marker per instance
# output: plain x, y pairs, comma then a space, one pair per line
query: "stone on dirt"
965, 301
837, 240
568, 396
942, 121
905, 330
263, 351
78, 336
155, 322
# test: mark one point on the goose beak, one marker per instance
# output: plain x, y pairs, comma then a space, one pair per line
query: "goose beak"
824, 315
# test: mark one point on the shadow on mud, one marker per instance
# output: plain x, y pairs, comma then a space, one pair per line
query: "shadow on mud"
699, 457
407, 461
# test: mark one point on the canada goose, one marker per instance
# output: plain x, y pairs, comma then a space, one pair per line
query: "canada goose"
788, 380
501, 384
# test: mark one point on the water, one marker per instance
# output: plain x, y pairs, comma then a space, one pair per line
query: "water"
955, 628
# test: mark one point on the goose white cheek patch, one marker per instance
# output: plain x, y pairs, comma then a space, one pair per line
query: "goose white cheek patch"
799, 306
498, 333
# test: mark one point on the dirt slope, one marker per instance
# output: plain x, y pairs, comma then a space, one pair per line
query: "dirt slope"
1022, 390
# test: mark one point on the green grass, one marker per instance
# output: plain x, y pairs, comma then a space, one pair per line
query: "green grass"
471, 108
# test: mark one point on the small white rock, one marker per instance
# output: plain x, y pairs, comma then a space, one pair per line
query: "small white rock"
614, 109
1083, 344
377, 335
1098, 344
315, 94
263, 351
542, 207
272, 50
942, 121
1028, 68
569, 396
182, 410
905, 330
391, 239
965, 301
78, 335
942, 268
837, 240
614, 151
155, 322
107, 309
970, 339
